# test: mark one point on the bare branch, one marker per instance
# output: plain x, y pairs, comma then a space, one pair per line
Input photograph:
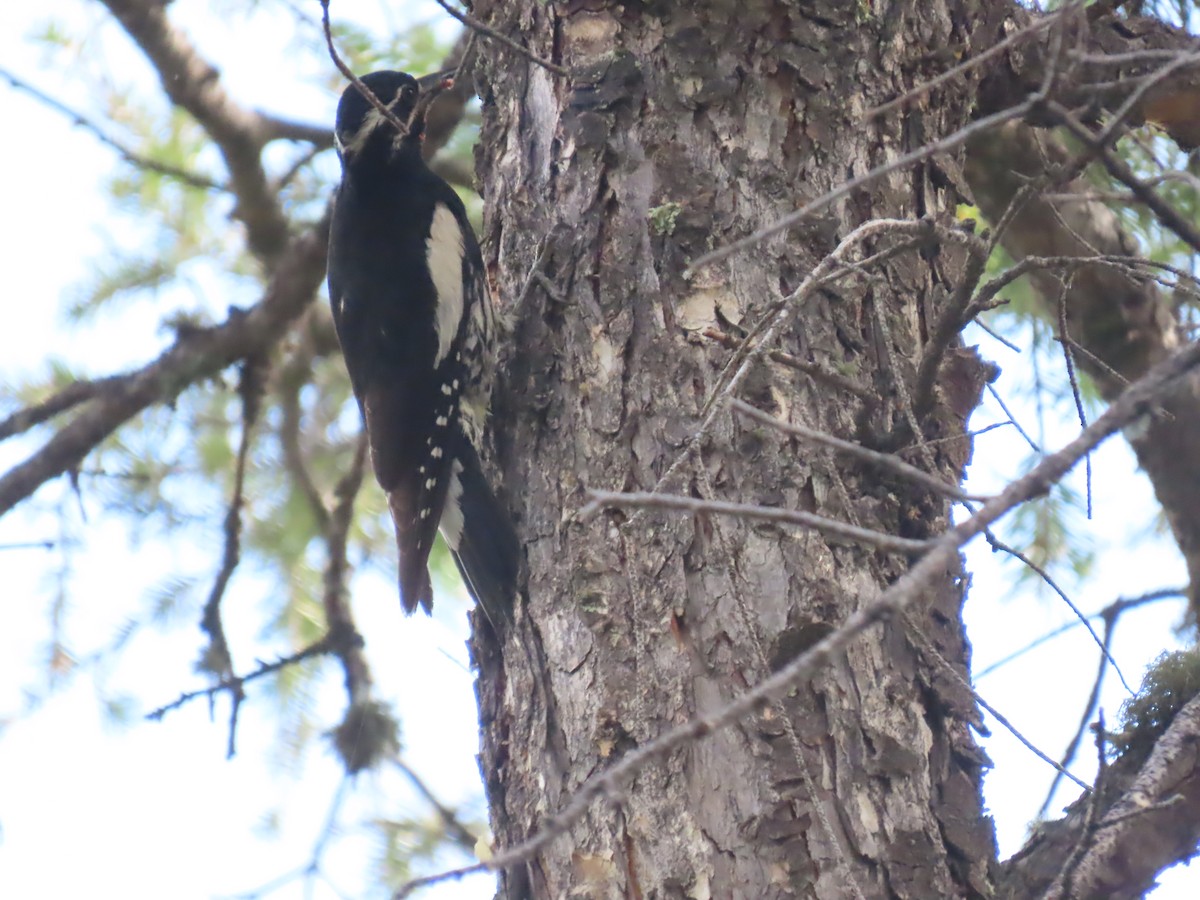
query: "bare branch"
650, 500
1118, 169
367, 94
197, 354
996, 544
72, 395
194, 179
192, 83
458, 832
949, 142
817, 371
1110, 614
1012, 419
475, 25
217, 657
1069, 362
882, 460
328, 644
338, 615
1020, 36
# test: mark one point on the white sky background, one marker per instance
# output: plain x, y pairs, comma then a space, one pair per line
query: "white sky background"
154, 809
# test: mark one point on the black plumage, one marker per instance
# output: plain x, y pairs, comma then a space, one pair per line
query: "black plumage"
416, 323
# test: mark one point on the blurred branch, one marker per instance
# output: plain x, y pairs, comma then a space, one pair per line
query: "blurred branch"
292, 376
330, 643
275, 128
458, 832
217, 657
337, 568
874, 458
1114, 313
191, 82
132, 157
72, 395
818, 371
197, 353
1109, 615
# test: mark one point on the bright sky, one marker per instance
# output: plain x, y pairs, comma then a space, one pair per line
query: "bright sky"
150, 809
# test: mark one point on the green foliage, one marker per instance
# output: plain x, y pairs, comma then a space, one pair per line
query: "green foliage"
663, 218
1168, 685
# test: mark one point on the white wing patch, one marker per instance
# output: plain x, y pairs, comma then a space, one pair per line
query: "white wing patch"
444, 253
451, 524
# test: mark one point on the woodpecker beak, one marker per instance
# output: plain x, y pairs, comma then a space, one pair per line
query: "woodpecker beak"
432, 87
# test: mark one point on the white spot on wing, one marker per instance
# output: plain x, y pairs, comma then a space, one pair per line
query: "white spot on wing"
451, 524
444, 253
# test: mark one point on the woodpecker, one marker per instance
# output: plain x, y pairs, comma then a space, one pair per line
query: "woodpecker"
417, 326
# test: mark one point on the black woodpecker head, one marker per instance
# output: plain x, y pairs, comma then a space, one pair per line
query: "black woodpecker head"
362, 129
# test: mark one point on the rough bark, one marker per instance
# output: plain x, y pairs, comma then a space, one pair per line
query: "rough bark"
681, 128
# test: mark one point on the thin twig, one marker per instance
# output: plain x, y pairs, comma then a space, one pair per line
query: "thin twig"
949, 142
338, 613
1109, 614
218, 658
1089, 707
1167, 214
459, 833
816, 370
999, 545
874, 457
475, 25
1015, 424
72, 395
994, 335
649, 500
327, 644
921, 640
949, 327
1074, 382
193, 179
367, 94
965, 66
1096, 361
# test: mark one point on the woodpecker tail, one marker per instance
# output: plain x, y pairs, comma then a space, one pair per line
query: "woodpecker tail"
487, 552
415, 586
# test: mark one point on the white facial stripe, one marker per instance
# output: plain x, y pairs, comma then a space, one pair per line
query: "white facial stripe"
451, 523
371, 121
444, 253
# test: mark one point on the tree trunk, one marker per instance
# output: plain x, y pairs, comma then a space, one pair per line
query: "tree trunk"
680, 128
